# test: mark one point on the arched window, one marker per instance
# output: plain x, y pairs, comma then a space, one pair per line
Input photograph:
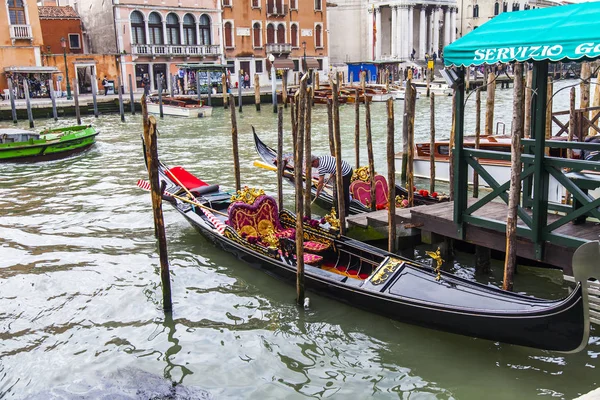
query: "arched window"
279, 5
293, 5
255, 3
496, 8
228, 34
281, 34
138, 29
173, 29
256, 34
476, 11
318, 36
205, 30
505, 7
526, 7
155, 28
318, 5
516, 6
270, 33
294, 35
16, 10
189, 29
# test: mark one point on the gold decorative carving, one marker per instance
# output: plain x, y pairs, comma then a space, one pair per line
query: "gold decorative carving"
271, 239
361, 174
333, 220
247, 195
386, 271
437, 257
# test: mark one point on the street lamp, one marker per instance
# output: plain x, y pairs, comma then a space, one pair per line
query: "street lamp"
63, 43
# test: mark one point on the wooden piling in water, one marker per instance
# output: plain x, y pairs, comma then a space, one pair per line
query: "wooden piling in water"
151, 146
280, 166
234, 145
514, 196
391, 178
572, 122
357, 128
483, 260
477, 138
489, 104
121, 105
76, 97
548, 128
467, 79
294, 119
257, 93
240, 83
432, 143
371, 159
224, 88
131, 99
584, 87
172, 84
11, 95
94, 93
284, 88
363, 81
160, 102
307, 152
53, 98
410, 119
528, 91
28, 103
405, 144
595, 103
210, 88
451, 148
317, 82
338, 157
330, 126
298, 158
198, 94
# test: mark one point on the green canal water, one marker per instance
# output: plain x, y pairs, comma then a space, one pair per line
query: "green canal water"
80, 295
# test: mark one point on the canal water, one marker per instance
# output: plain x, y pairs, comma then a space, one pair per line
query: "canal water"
80, 295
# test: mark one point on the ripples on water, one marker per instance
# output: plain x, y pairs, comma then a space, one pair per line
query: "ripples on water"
80, 297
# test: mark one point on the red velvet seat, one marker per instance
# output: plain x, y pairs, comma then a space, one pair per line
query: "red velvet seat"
361, 191
260, 217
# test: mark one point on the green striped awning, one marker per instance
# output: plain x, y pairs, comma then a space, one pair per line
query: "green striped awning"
559, 33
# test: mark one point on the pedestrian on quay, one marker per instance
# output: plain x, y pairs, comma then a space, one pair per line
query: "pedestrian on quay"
146, 82
180, 76
104, 85
247, 80
327, 165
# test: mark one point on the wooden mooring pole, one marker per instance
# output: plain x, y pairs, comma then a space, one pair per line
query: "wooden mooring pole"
595, 103
234, 145
11, 94
240, 84
160, 102
489, 104
477, 138
131, 99
371, 159
451, 148
550, 89
528, 92
405, 144
307, 153
341, 200
280, 157
432, 143
284, 88
572, 119
224, 88
53, 98
330, 126
391, 177
210, 88
584, 87
94, 93
150, 140
28, 103
411, 97
257, 92
76, 97
510, 261
357, 128
298, 158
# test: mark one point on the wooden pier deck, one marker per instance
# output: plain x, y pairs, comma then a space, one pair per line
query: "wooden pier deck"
438, 219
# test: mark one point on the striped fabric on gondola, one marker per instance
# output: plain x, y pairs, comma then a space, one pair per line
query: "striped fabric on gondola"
219, 226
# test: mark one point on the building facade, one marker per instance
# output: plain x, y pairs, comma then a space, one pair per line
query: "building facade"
288, 30
20, 40
61, 23
153, 38
474, 13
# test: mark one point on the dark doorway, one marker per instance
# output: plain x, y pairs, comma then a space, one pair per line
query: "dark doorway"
141, 70
159, 69
245, 67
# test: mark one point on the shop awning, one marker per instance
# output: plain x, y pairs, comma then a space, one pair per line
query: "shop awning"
32, 69
208, 67
283, 63
559, 33
312, 63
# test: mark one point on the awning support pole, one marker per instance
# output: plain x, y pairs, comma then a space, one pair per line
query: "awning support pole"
460, 163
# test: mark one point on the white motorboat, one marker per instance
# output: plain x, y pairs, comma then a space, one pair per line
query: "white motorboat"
180, 107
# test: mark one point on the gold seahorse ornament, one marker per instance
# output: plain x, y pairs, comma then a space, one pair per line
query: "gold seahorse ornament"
437, 257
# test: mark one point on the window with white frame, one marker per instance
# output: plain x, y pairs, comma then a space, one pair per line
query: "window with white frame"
257, 35
227, 3
173, 29
228, 28
270, 33
189, 29
16, 12
281, 33
293, 4
155, 28
294, 35
255, 3
205, 36
74, 41
138, 28
318, 5
318, 36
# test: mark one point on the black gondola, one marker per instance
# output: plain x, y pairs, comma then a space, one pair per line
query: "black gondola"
325, 200
378, 281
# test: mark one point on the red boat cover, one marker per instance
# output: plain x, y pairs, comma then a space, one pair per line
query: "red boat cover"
361, 191
185, 178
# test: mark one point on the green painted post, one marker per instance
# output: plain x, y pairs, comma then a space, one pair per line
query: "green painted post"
461, 189
540, 175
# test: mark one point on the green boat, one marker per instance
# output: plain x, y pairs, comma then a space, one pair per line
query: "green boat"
51, 144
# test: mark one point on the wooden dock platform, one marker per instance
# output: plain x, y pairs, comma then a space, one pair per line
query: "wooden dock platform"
438, 219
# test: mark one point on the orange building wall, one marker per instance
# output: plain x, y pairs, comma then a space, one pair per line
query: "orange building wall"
54, 29
106, 65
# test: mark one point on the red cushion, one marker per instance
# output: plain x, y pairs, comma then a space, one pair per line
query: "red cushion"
312, 258
185, 178
315, 246
287, 233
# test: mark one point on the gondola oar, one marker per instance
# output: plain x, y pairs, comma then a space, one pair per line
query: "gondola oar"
146, 186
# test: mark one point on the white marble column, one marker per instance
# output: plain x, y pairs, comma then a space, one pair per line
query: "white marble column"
394, 38
447, 26
405, 24
411, 42
436, 30
371, 51
422, 33
378, 33
453, 24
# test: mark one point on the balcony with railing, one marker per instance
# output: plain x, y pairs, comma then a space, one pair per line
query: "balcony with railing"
18, 32
163, 50
275, 10
279, 48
